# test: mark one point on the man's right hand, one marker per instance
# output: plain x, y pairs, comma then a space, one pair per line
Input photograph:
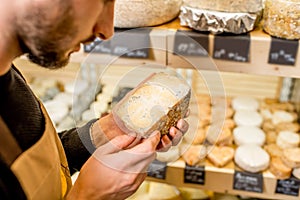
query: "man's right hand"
114, 173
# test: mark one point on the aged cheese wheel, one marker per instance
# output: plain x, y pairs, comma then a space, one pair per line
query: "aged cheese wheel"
220, 155
279, 169
291, 157
156, 104
251, 6
244, 103
249, 135
251, 158
287, 139
247, 118
141, 13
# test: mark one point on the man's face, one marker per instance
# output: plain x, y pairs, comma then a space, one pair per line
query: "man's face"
52, 29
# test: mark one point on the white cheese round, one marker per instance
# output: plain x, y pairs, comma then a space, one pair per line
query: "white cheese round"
282, 116
57, 110
141, 13
64, 97
247, 118
287, 139
249, 135
245, 103
251, 158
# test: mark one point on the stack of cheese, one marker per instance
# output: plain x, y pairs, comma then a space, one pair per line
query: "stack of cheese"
248, 136
282, 137
210, 132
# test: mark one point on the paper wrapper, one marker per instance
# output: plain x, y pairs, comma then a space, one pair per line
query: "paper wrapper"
216, 21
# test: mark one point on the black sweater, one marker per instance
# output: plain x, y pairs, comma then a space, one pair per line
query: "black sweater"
21, 112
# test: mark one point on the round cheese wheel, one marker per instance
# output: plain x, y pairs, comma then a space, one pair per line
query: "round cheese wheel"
57, 110
251, 158
64, 97
169, 156
245, 103
249, 135
282, 116
291, 157
248, 118
162, 191
287, 139
141, 13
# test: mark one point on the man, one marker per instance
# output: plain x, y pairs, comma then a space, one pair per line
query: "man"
33, 160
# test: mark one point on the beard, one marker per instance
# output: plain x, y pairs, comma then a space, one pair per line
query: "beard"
45, 41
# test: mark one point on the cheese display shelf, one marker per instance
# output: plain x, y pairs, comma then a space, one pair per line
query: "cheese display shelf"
220, 180
162, 43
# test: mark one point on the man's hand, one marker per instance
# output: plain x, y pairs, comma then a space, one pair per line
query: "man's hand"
106, 129
115, 171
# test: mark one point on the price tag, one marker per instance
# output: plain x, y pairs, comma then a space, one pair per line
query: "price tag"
232, 47
283, 52
190, 43
194, 174
288, 186
98, 46
251, 182
157, 169
133, 43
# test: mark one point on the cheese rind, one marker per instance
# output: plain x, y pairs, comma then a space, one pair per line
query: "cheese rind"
287, 139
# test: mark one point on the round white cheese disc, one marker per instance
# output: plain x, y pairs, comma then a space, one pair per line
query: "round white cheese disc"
245, 103
251, 158
64, 97
282, 116
287, 139
98, 108
57, 110
247, 118
249, 135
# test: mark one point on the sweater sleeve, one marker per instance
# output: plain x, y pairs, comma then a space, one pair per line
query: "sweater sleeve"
78, 145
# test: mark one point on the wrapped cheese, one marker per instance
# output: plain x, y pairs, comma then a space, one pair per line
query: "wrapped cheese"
155, 104
281, 18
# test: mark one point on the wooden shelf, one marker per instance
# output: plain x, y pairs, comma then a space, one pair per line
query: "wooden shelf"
220, 180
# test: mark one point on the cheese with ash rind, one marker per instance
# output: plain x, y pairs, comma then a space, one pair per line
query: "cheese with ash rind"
155, 104
251, 158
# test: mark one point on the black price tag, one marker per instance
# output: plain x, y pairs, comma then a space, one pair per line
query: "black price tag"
232, 47
98, 46
157, 169
283, 52
288, 186
190, 43
250, 182
133, 43
194, 174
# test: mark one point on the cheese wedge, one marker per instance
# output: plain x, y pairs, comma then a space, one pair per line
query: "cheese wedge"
155, 104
